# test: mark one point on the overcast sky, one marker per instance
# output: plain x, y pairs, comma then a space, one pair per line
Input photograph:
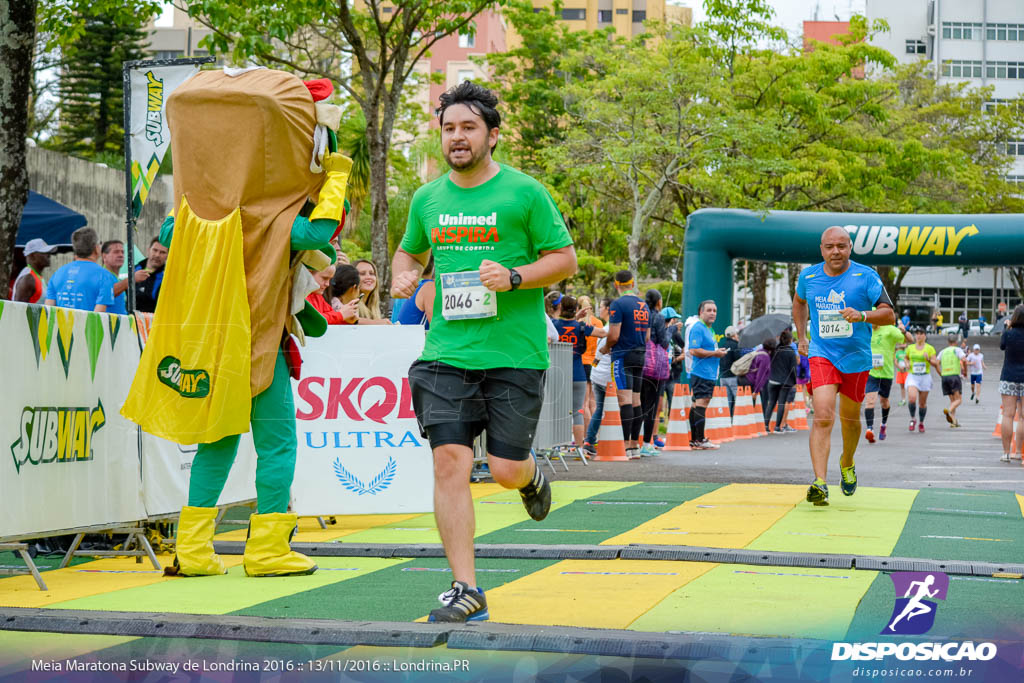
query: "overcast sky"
790, 14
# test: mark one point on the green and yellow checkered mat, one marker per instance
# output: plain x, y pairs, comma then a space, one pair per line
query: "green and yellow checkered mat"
642, 595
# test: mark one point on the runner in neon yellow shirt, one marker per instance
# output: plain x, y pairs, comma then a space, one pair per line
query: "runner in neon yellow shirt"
884, 340
952, 366
921, 357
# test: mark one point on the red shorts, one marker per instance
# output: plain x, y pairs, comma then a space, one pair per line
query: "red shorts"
851, 385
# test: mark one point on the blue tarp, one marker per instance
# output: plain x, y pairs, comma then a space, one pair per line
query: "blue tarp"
49, 220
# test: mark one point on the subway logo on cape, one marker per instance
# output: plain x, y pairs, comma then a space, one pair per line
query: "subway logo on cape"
908, 240
49, 435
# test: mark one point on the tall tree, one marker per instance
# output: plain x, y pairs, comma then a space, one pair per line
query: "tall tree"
91, 87
61, 22
641, 121
17, 36
370, 47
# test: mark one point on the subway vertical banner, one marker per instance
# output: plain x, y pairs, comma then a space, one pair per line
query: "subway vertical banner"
151, 84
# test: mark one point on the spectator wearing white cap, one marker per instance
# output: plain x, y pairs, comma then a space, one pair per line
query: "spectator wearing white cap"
731, 343
975, 368
83, 284
29, 286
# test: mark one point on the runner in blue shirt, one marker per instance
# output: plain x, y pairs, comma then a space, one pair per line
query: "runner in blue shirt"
83, 283
839, 295
628, 331
704, 372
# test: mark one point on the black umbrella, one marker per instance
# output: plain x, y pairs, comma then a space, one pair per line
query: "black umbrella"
758, 330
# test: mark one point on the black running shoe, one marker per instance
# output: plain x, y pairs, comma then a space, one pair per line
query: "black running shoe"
461, 603
817, 493
537, 495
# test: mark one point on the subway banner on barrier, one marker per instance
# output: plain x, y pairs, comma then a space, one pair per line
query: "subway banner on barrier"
360, 450
151, 85
68, 458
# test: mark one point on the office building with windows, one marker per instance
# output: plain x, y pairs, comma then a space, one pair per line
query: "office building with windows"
980, 42
627, 17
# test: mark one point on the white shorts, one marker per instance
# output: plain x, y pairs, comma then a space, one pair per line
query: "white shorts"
920, 382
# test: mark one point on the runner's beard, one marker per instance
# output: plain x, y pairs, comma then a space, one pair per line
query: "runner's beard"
475, 158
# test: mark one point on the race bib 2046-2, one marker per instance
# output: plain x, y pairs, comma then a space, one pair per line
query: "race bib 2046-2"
464, 297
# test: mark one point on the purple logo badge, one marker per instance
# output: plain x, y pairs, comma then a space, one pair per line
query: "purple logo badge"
914, 611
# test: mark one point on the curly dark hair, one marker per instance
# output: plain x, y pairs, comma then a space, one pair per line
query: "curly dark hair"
479, 99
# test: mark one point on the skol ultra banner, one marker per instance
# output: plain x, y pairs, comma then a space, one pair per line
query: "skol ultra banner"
67, 457
360, 450
150, 137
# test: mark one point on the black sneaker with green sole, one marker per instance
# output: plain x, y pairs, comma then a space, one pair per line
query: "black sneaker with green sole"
817, 493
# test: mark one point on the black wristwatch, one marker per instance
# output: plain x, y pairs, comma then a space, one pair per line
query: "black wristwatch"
514, 278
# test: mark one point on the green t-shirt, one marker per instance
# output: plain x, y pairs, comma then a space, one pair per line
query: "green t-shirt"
508, 219
919, 358
901, 360
949, 360
883, 344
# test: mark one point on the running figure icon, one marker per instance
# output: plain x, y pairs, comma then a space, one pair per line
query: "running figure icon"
915, 607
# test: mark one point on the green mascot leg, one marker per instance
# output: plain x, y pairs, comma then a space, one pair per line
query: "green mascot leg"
267, 549
210, 470
273, 434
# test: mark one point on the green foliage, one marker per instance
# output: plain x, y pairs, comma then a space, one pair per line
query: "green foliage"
671, 293
91, 89
62, 22
373, 55
632, 136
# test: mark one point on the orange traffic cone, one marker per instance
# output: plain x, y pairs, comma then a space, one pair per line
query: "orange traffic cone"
758, 415
719, 424
998, 431
796, 415
678, 436
755, 421
742, 428
610, 446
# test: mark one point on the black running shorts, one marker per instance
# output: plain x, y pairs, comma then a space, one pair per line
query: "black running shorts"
454, 405
628, 370
952, 384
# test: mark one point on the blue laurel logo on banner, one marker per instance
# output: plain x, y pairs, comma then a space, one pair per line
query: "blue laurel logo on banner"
379, 483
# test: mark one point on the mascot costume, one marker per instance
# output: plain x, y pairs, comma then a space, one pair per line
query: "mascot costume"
247, 147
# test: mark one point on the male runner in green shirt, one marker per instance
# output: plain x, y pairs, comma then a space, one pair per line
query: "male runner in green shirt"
497, 239
884, 340
952, 365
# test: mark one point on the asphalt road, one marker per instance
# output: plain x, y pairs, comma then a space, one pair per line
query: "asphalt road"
942, 457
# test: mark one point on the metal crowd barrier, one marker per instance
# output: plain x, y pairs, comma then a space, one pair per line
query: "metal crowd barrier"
555, 425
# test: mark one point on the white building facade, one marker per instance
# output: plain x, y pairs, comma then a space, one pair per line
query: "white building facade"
980, 42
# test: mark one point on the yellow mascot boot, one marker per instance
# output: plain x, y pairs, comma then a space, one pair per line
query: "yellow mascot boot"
194, 554
267, 549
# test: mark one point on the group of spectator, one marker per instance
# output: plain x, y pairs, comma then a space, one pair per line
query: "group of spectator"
91, 281
673, 351
349, 294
